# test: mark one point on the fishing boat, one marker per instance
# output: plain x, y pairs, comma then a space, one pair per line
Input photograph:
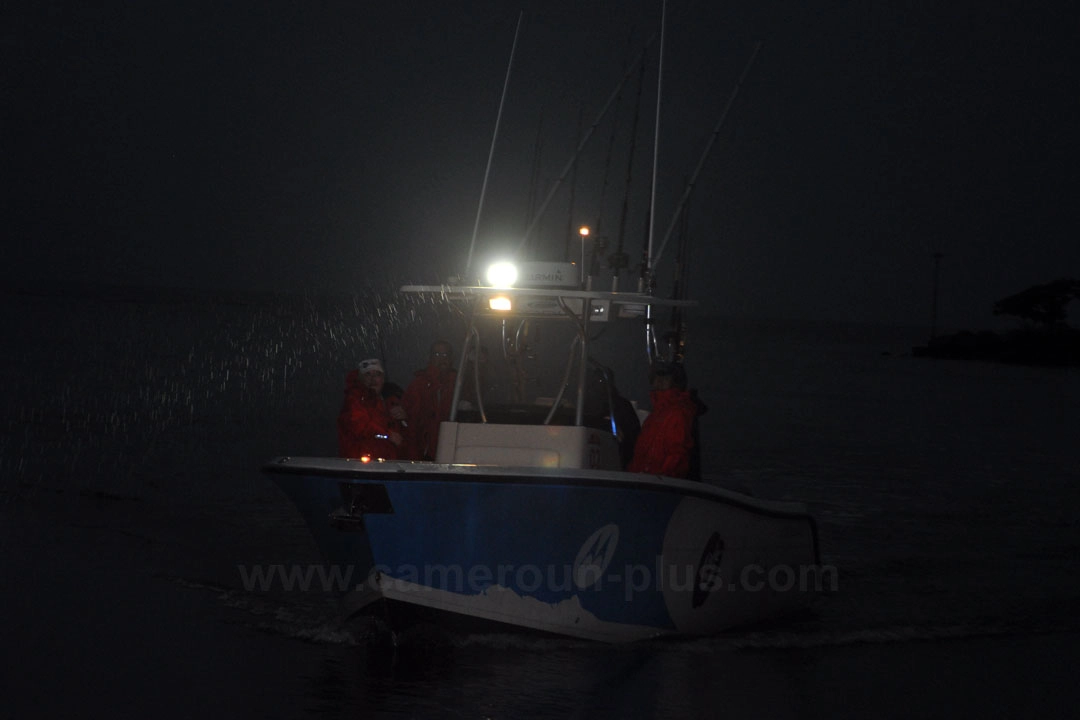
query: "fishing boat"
527, 517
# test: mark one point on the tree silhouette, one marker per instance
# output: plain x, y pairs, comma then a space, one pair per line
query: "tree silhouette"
1043, 305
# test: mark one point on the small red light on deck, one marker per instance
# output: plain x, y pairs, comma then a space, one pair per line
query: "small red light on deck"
365, 458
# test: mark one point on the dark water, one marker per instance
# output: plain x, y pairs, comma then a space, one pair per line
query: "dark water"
134, 424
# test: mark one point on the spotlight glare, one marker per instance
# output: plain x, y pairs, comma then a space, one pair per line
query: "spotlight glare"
502, 275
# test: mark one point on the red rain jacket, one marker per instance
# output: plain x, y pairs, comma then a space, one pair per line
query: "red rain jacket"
364, 416
663, 447
427, 403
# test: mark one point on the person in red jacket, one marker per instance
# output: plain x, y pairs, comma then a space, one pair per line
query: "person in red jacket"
427, 401
666, 439
369, 423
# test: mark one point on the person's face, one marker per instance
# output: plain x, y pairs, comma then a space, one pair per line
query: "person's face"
374, 380
661, 381
440, 356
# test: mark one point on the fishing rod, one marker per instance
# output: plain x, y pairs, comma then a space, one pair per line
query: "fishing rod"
646, 280
619, 260
570, 215
680, 291
581, 145
701, 162
599, 246
534, 176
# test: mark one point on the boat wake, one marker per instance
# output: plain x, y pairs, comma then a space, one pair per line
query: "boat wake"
315, 622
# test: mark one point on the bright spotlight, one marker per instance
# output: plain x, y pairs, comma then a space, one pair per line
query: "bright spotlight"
502, 275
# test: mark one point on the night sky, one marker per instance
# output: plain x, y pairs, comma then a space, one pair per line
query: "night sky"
325, 146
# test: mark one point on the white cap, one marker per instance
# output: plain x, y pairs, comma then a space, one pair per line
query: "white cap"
372, 365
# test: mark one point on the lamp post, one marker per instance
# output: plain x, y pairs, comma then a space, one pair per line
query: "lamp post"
586, 282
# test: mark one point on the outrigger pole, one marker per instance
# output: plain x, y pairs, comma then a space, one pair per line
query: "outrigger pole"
491, 152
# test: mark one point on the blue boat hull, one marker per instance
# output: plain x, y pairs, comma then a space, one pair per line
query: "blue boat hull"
594, 554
